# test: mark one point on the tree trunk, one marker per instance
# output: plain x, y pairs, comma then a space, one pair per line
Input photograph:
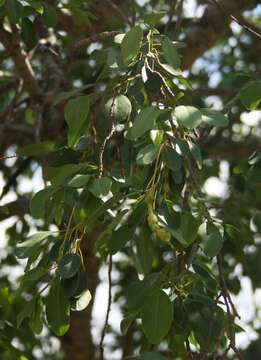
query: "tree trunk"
77, 343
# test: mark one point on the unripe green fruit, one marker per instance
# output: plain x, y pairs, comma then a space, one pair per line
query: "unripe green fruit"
121, 109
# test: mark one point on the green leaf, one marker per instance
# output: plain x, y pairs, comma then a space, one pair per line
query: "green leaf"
76, 116
172, 158
38, 149
29, 33
126, 323
188, 116
121, 109
58, 309
250, 95
60, 175
171, 70
131, 43
187, 232
119, 238
153, 18
14, 11
79, 181
195, 152
189, 228
70, 285
152, 80
145, 253
33, 242
69, 266
138, 292
2, 2
214, 242
38, 202
49, 15
157, 315
214, 118
65, 95
144, 121
152, 356
36, 322
25, 313
35, 274
147, 155
81, 302
170, 53
101, 187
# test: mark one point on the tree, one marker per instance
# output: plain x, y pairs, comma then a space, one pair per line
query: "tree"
105, 99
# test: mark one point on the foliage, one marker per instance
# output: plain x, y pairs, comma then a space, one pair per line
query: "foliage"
125, 147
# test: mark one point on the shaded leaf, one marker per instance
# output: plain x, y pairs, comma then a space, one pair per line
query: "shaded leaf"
76, 115
14, 10
58, 309
39, 200
33, 242
214, 118
49, 15
131, 43
157, 315
38, 149
69, 266
170, 53
101, 187
153, 18
144, 121
29, 33
250, 95
119, 238
79, 181
214, 242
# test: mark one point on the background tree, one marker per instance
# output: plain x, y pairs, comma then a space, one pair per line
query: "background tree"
116, 102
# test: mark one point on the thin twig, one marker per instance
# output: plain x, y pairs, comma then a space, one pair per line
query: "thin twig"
108, 306
103, 145
84, 43
170, 15
102, 148
133, 13
179, 19
8, 157
239, 22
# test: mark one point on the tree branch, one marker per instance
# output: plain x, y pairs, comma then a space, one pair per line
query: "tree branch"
210, 28
18, 207
12, 44
84, 43
240, 22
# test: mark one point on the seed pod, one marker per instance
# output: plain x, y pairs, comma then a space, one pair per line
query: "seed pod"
154, 225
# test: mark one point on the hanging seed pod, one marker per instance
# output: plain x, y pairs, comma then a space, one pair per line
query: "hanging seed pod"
154, 224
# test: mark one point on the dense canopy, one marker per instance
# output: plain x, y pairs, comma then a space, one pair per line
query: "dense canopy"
130, 141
